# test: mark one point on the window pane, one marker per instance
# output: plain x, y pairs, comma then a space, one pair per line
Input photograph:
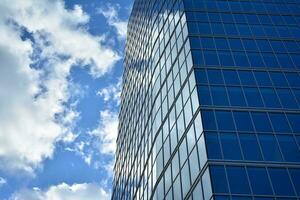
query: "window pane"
294, 120
253, 97
238, 181
250, 147
231, 77
219, 181
289, 148
279, 122
230, 146
215, 77
208, 120
270, 148
281, 182
236, 96
243, 121
263, 78
225, 121
213, 146
261, 122
259, 181
219, 96
295, 175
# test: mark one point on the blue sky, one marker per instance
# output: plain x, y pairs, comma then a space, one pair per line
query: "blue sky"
60, 82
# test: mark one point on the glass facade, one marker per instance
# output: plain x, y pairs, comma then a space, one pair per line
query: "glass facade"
210, 106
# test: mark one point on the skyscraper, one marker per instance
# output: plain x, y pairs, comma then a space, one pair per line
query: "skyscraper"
210, 106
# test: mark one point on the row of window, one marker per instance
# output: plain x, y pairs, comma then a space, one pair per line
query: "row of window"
247, 78
249, 97
242, 6
244, 60
244, 44
255, 180
243, 18
251, 147
243, 121
242, 30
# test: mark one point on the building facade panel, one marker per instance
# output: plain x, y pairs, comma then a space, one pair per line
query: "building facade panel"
246, 60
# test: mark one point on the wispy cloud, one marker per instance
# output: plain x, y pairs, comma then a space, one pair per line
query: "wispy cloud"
63, 191
111, 93
2, 181
110, 12
45, 42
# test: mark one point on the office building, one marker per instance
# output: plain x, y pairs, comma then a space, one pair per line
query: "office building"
210, 106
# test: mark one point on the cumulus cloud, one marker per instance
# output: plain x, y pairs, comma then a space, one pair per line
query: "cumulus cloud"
107, 131
40, 42
110, 12
63, 191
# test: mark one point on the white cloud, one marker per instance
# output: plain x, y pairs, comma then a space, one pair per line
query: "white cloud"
2, 181
107, 131
111, 93
33, 112
63, 191
111, 14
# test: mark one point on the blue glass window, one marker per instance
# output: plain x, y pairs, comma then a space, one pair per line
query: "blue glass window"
270, 148
226, 59
259, 181
219, 181
204, 95
281, 182
293, 79
195, 43
236, 96
211, 58
225, 121
289, 148
193, 28
215, 77
255, 60
279, 122
261, 122
278, 79
270, 60
287, 98
263, 78
201, 76
221, 44
264, 45
213, 145
241, 59
250, 147
208, 119
253, 97
236, 44
230, 146
294, 120
285, 61
219, 96
231, 77
238, 181
207, 43
249, 45
247, 78
198, 57
295, 175
270, 98
243, 121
